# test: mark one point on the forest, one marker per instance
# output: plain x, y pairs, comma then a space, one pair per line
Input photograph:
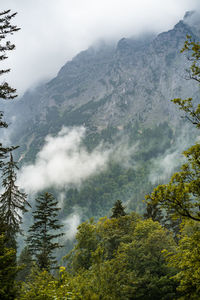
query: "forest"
149, 254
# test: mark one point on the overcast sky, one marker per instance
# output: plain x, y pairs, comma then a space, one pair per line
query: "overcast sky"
53, 31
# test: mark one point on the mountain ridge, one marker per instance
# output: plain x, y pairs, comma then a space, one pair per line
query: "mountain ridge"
122, 90
121, 94
115, 73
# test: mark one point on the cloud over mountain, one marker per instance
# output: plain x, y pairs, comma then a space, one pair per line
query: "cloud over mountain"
63, 161
52, 32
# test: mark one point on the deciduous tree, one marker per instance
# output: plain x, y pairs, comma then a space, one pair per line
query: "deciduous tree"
182, 195
192, 112
185, 259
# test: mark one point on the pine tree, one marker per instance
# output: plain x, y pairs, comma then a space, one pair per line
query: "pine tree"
8, 267
44, 231
6, 92
12, 203
118, 210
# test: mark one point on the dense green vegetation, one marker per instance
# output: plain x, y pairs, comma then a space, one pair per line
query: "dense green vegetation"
116, 259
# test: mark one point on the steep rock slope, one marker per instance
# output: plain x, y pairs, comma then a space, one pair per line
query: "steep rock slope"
113, 90
113, 85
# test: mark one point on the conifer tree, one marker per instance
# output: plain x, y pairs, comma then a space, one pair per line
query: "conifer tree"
8, 267
118, 210
12, 202
44, 232
6, 92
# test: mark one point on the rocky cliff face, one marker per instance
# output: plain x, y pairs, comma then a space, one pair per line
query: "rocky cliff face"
112, 85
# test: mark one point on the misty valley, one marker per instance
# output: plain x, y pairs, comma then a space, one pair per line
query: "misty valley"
100, 171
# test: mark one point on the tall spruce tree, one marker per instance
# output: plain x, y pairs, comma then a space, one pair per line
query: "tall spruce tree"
12, 202
6, 92
45, 231
6, 28
8, 268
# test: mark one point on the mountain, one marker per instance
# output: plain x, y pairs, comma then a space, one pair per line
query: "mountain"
115, 91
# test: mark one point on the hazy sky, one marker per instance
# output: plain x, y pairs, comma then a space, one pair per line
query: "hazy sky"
53, 31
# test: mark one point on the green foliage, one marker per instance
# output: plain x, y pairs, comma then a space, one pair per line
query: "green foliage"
192, 48
153, 211
191, 113
181, 196
106, 233
185, 258
44, 231
87, 240
41, 285
118, 210
140, 268
8, 270
125, 260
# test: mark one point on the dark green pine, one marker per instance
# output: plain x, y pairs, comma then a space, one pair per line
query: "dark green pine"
6, 92
12, 202
118, 210
45, 231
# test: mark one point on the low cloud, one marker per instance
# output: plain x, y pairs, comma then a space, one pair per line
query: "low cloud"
164, 166
123, 153
71, 223
63, 161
